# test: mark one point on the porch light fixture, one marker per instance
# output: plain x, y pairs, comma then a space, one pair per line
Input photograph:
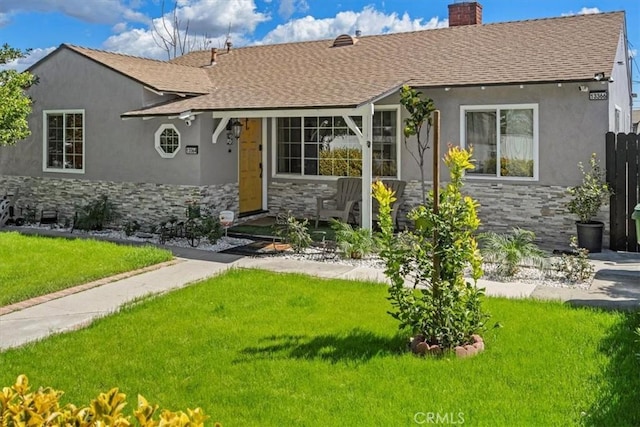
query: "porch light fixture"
598, 76
583, 88
234, 129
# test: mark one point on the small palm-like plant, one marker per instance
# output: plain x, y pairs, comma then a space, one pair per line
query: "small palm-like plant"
295, 232
510, 251
353, 243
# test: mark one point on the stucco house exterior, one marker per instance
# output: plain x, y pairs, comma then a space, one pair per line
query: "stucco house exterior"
533, 98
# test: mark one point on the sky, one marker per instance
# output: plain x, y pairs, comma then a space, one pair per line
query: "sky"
127, 26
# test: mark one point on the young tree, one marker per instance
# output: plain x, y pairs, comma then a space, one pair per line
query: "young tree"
420, 116
15, 105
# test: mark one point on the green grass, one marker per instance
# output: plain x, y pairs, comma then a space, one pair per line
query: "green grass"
323, 230
31, 266
254, 348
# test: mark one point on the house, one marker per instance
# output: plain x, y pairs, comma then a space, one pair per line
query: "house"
533, 98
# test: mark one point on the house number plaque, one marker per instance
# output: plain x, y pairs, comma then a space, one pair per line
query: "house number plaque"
191, 149
598, 95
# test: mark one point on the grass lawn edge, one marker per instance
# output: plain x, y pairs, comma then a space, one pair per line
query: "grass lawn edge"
7, 309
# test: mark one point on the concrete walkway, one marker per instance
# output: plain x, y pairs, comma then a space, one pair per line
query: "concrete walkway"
617, 285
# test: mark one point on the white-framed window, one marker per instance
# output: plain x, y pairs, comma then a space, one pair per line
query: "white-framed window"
63, 141
324, 146
504, 140
167, 141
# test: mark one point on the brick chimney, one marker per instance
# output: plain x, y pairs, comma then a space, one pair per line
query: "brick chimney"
466, 13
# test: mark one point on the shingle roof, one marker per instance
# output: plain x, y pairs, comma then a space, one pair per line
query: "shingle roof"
158, 75
313, 74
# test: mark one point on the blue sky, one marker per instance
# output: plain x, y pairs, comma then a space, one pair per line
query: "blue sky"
125, 25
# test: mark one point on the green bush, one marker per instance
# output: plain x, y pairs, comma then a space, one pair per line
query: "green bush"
341, 162
575, 267
353, 243
445, 309
510, 251
96, 215
294, 232
21, 407
588, 197
509, 167
131, 227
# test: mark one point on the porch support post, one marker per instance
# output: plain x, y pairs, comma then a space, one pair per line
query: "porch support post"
364, 137
222, 125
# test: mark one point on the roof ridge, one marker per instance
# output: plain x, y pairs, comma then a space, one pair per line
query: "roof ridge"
400, 33
550, 18
76, 48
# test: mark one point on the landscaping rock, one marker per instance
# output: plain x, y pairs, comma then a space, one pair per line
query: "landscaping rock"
460, 351
479, 345
476, 338
422, 348
435, 350
415, 341
471, 350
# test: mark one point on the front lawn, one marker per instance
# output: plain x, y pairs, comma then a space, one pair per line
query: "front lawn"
266, 349
31, 266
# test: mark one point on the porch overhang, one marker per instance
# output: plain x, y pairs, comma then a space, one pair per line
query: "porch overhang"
363, 134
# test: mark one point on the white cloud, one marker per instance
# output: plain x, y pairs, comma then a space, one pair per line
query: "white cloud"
97, 11
4, 19
289, 7
137, 42
583, 11
31, 58
120, 27
209, 22
145, 43
369, 21
215, 16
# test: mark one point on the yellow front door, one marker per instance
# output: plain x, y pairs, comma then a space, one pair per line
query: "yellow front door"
250, 179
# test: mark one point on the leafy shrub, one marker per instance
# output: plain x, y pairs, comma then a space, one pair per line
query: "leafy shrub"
95, 215
509, 167
294, 232
29, 215
20, 407
131, 227
588, 197
510, 251
341, 162
348, 162
201, 223
353, 244
445, 309
575, 267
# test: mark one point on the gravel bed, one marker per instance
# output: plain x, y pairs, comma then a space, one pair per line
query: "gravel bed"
551, 278
222, 244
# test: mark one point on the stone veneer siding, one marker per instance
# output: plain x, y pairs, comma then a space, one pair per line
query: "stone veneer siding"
147, 203
503, 206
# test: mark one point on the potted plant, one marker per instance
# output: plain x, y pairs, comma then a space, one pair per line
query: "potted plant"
587, 199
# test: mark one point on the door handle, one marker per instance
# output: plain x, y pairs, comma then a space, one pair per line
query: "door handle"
260, 169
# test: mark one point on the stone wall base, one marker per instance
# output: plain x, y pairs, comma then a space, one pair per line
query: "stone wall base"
503, 206
146, 203
539, 208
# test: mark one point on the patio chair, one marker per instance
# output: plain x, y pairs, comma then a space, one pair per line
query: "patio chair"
348, 193
397, 186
